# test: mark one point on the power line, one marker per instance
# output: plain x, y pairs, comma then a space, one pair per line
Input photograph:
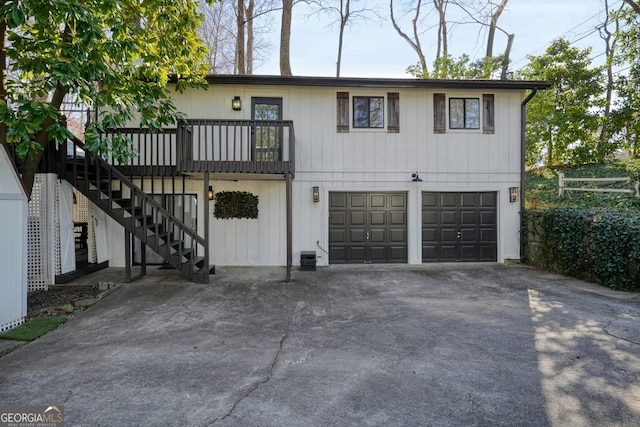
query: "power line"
580, 36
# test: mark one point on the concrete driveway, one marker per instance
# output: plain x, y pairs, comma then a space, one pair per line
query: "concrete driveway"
429, 345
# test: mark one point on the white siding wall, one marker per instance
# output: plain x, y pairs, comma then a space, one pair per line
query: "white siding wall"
362, 160
13, 247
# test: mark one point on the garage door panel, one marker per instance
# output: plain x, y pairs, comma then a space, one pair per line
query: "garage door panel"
338, 218
398, 201
429, 235
448, 234
429, 200
448, 200
338, 200
488, 234
377, 218
448, 253
378, 253
372, 227
357, 254
378, 236
397, 236
338, 254
357, 201
358, 235
397, 218
488, 217
338, 236
459, 226
488, 200
468, 235
468, 200
398, 253
357, 218
468, 217
378, 201
430, 217
448, 217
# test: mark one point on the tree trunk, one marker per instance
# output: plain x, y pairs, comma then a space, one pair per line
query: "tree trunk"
415, 45
443, 45
285, 38
634, 4
240, 54
344, 19
507, 55
492, 27
250, 37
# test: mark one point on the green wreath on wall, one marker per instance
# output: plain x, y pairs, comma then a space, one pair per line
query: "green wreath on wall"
236, 204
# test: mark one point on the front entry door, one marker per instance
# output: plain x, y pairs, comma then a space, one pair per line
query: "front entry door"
367, 228
267, 137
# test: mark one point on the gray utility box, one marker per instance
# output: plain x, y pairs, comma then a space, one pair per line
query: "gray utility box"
308, 260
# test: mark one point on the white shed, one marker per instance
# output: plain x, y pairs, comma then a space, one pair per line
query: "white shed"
13, 245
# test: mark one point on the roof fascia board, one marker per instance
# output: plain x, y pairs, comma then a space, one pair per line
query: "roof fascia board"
376, 82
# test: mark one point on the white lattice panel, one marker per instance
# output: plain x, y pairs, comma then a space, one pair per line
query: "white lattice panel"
56, 227
38, 275
80, 207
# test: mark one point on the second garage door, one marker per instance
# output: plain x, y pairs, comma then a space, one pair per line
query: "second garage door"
367, 228
459, 226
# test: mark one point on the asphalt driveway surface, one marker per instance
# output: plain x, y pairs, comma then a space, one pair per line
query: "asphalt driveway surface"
429, 345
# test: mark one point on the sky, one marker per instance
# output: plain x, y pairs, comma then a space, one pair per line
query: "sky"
376, 50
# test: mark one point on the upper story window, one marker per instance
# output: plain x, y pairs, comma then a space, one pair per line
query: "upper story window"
368, 112
463, 113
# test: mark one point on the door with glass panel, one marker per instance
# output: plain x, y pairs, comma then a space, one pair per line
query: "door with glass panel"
267, 134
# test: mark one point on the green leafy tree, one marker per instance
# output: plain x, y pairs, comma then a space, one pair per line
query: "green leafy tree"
625, 117
564, 121
115, 55
448, 67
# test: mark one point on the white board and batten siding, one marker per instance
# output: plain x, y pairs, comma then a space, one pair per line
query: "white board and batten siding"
365, 160
13, 246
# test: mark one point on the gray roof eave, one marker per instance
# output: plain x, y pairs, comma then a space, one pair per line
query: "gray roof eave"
376, 82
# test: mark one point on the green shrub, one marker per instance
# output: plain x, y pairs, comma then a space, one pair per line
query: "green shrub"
598, 245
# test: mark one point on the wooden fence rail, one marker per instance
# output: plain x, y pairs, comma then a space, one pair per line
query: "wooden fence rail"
562, 187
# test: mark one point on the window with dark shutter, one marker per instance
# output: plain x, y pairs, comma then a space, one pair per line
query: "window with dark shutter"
439, 113
488, 118
343, 112
393, 106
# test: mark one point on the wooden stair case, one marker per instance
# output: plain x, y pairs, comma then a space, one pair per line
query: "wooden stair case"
106, 187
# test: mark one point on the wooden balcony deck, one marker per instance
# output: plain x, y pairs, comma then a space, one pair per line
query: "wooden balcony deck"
211, 146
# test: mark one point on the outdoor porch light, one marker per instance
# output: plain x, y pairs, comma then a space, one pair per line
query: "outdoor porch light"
513, 194
236, 103
316, 194
210, 193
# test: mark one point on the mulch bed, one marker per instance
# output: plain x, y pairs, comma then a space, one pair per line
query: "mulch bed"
42, 303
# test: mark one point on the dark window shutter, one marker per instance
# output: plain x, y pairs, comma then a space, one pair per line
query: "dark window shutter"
393, 103
488, 120
439, 113
343, 112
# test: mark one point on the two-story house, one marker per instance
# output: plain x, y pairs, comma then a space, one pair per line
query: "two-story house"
358, 170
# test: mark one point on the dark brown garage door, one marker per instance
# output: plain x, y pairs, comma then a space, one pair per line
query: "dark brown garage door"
459, 227
367, 228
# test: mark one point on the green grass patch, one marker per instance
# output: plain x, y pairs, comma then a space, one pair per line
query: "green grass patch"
33, 329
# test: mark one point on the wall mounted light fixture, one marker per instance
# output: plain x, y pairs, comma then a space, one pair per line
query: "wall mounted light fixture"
236, 103
316, 194
210, 193
514, 192
416, 177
